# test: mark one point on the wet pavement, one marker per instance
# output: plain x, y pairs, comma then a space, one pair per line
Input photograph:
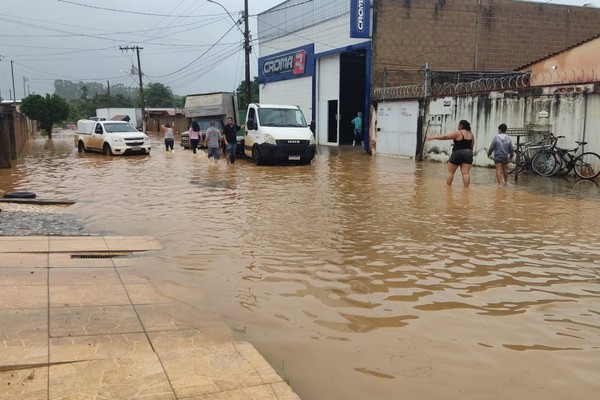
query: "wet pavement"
360, 277
77, 321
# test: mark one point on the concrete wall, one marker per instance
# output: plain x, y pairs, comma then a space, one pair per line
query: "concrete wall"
15, 130
573, 115
471, 35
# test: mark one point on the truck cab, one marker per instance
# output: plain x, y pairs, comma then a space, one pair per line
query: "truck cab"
110, 138
278, 134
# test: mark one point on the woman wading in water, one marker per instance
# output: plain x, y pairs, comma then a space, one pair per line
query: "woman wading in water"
462, 152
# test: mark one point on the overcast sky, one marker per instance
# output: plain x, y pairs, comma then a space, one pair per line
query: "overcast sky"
191, 46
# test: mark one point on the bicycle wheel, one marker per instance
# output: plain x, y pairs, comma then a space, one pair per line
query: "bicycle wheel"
545, 163
512, 164
587, 165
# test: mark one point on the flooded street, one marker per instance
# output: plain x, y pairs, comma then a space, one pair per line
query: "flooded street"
361, 277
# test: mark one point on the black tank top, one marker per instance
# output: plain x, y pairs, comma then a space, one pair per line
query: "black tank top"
463, 144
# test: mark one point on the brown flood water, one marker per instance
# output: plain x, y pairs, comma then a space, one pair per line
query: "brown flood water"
362, 277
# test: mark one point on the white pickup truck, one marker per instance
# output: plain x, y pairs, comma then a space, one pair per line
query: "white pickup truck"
110, 138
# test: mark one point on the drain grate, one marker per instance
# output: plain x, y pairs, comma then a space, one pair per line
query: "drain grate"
100, 255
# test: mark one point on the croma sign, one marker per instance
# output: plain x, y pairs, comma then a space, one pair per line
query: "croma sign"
360, 17
289, 64
360, 14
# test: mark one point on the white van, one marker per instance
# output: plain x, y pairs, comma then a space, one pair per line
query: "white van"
278, 134
110, 138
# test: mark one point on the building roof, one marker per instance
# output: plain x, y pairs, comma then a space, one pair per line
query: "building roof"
558, 52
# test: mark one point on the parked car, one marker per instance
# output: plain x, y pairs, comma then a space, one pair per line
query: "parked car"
110, 138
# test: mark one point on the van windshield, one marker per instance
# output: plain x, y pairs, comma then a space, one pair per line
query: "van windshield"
113, 127
281, 117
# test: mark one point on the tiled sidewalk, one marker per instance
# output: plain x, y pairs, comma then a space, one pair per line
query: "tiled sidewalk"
91, 328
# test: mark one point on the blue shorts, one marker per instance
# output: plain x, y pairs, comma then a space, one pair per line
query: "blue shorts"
213, 152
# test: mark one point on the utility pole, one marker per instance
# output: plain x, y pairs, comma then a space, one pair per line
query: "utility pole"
24, 92
108, 85
137, 49
12, 74
247, 47
0, 81
247, 50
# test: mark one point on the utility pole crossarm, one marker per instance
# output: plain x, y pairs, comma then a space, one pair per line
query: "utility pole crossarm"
137, 50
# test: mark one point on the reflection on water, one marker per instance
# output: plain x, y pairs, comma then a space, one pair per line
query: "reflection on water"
363, 277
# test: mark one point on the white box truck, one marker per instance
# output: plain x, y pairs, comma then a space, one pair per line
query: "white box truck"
206, 107
133, 115
110, 138
277, 134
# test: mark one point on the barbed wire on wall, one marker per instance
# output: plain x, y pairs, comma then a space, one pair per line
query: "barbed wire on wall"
513, 81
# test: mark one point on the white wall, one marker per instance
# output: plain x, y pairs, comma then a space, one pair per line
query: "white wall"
329, 35
573, 115
292, 91
566, 116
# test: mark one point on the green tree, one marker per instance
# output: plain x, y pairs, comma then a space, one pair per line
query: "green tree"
241, 93
158, 95
45, 110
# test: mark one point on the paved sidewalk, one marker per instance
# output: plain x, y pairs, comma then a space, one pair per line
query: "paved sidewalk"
77, 322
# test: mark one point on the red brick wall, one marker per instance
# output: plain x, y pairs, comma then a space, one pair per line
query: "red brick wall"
466, 35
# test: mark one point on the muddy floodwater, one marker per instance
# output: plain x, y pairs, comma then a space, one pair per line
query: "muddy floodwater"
361, 277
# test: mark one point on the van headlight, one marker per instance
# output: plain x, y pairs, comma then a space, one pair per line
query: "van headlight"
312, 139
118, 140
270, 139
146, 139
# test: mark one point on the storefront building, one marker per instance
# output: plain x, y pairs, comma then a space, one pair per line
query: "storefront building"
317, 55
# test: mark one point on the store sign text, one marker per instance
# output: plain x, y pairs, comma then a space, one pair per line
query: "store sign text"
292, 62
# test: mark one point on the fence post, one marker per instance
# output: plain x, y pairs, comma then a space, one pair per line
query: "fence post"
5, 118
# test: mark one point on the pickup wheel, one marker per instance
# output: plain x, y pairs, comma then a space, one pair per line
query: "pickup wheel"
256, 156
106, 150
81, 147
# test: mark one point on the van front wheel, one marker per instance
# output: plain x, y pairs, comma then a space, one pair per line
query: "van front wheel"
256, 156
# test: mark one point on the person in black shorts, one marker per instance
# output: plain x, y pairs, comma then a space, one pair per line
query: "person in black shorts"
230, 132
462, 152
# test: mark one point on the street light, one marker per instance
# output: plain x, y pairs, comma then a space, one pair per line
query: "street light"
246, 34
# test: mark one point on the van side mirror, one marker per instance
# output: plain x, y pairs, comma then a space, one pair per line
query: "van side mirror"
250, 124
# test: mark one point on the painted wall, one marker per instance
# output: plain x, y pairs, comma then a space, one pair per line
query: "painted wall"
573, 115
562, 114
579, 64
327, 36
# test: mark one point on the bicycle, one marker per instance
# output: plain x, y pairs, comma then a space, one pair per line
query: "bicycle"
525, 153
551, 161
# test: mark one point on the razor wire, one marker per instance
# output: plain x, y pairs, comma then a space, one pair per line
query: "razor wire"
515, 81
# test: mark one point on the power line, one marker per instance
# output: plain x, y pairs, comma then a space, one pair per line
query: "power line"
196, 59
138, 12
